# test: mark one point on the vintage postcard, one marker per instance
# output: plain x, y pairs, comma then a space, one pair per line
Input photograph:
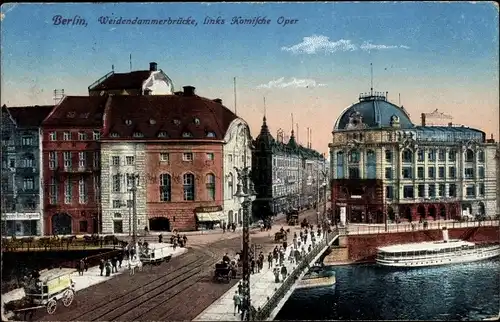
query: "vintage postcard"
250, 161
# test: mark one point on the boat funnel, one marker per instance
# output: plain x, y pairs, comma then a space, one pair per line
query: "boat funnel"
445, 234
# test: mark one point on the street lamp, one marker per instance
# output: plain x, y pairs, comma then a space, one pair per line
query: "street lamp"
246, 194
132, 178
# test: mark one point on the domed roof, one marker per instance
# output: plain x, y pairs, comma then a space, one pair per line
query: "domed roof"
373, 111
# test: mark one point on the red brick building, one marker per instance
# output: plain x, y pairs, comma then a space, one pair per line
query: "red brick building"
175, 144
71, 163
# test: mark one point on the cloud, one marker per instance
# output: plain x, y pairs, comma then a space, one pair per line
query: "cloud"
317, 44
293, 82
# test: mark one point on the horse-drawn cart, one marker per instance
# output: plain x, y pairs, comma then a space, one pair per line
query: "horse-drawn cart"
222, 272
44, 290
280, 236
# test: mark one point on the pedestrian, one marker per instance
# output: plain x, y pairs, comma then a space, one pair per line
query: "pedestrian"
240, 288
175, 243
276, 272
297, 255
108, 268
120, 260
114, 261
101, 266
244, 308
80, 267
284, 272
172, 239
261, 261
185, 239
237, 303
291, 256
234, 227
86, 264
224, 227
252, 266
285, 245
270, 260
131, 267
282, 257
160, 238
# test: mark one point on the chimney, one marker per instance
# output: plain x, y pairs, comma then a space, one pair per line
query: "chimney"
179, 93
153, 67
422, 116
147, 91
450, 124
218, 100
189, 90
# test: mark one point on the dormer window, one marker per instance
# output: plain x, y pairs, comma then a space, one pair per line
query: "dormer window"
138, 135
162, 134
196, 121
187, 135
177, 122
128, 122
114, 135
152, 122
70, 115
210, 134
84, 115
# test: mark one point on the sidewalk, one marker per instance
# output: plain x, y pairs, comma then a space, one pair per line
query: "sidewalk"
262, 287
89, 278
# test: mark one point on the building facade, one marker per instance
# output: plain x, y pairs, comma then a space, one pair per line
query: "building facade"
71, 165
285, 175
21, 173
175, 144
385, 167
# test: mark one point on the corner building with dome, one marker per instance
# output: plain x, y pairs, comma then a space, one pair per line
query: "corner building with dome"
384, 167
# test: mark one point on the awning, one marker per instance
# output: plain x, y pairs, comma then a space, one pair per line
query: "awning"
209, 216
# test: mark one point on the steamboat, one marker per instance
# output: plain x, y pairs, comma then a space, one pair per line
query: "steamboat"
317, 276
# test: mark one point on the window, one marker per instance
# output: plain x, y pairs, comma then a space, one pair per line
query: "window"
115, 160
242, 159
96, 159
371, 165
117, 204
480, 172
452, 155
52, 136
432, 190
441, 172
96, 135
27, 140
481, 189
431, 172
116, 182
431, 155
67, 159
469, 173
130, 203
230, 186
82, 191
82, 136
210, 156
407, 172
188, 156
388, 173
480, 156
129, 160
188, 182
452, 190
389, 192
441, 190
407, 156
67, 136
408, 192
165, 187
230, 158
52, 191
210, 183
83, 226
340, 165
354, 173
68, 191
164, 157
118, 226
12, 163
187, 135
52, 160
162, 134
114, 135
420, 155
353, 156
388, 156
469, 156
29, 183
210, 134
442, 155
137, 135
82, 160
470, 191
28, 161
421, 191
452, 172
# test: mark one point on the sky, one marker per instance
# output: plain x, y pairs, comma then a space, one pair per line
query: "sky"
426, 55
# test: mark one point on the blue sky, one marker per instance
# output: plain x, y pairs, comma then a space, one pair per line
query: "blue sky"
437, 55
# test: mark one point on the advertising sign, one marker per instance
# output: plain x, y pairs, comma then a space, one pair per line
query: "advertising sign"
342, 216
21, 216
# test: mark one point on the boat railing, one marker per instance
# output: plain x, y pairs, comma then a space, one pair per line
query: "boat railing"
368, 229
444, 252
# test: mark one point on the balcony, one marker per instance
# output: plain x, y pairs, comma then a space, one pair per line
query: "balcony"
26, 171
75, 169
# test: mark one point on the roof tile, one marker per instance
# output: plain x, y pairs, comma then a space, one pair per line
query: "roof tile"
30, 116
78, 111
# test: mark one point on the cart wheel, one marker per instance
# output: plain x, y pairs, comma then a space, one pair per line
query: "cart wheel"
51, 306
68, 297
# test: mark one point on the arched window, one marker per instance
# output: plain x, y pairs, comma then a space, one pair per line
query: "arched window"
188, 182
371, 165
210, 182
407, 156
469, 155
165, 187
340, 165
354, 156
230, 186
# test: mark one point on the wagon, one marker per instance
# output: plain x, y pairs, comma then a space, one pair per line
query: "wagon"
222, 272
155, 256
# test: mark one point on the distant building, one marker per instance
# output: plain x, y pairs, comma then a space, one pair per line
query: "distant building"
285, 175
383, 164
71, 165
21, 170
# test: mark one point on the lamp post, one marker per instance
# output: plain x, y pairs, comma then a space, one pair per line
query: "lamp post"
132, 178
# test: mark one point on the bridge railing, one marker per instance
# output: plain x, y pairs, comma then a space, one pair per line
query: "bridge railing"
264, 312
408, 227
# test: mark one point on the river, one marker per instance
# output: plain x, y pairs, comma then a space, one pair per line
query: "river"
455, 292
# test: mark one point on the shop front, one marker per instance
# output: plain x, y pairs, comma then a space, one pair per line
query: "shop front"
209, 217
21, 224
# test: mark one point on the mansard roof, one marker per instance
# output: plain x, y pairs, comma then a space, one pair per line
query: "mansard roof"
30, 116
77, 112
